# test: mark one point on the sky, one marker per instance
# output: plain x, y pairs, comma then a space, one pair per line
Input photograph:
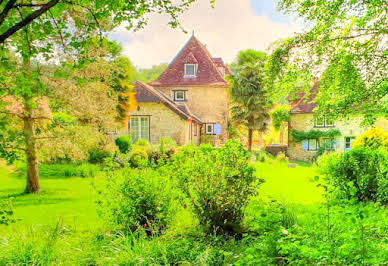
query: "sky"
232, 26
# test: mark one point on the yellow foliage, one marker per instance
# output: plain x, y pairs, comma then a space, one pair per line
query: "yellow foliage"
373, 138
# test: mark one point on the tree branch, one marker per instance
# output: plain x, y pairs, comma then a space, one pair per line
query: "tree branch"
12, 148
93, 15
59, 31
18, 26
6, 10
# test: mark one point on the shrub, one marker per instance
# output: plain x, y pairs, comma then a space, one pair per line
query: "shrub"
6, 213
359, 173
98, 155
142, 144
132, 198
219, 184
373, 139
64, 119
138, 158
281, 157
166, 143
124, 143
207, 139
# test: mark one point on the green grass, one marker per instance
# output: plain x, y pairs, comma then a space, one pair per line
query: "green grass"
289, 185
69, 199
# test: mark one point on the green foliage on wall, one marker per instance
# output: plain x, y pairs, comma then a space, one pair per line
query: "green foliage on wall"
299, 136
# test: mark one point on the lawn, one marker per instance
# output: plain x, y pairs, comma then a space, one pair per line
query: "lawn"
289, 185
72, 199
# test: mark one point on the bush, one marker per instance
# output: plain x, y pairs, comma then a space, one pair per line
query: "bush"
207, 139
138, 158
6, 213
97, 155
124, 143
359, 173
130, 199
219, 184
281, 157
374, 138
142, 144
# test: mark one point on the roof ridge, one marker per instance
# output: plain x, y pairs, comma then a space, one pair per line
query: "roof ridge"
165, 99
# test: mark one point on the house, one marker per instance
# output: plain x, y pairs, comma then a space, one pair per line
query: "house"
338, 136
187, 102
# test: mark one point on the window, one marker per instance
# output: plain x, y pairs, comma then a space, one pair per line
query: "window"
313, 144
348, 143
329, 144
310, 145
209, 129
140, 128
324, 121
195, 129
191, 70
329, 122
180, 96
320, 122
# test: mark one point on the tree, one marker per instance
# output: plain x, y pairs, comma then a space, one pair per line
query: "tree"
337, 29
56, 18
250, 101
57, 30
149, 74
280, 117
89, 90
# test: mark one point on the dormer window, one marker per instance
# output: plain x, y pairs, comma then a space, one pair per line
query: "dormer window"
179, 95
191, 70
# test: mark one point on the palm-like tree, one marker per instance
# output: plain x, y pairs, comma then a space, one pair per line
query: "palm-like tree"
250, 100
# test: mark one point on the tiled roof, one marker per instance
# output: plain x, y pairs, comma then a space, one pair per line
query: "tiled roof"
146, 94
207, 68
303, 105
220, 63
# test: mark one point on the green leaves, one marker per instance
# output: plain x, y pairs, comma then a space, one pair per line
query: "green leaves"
299, 136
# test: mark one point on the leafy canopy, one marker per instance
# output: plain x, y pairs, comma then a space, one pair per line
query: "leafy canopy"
338, 33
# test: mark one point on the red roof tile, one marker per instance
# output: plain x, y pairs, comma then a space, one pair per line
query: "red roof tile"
304, 105
145, 94
207, 68
220, 63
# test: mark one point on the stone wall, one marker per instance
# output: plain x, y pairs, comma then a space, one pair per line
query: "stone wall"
274, 150
305, 122
164, 123
210, 104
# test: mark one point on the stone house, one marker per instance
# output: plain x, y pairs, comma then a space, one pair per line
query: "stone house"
303, 120
189, 100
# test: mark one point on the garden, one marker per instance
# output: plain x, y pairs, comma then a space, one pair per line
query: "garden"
165, 204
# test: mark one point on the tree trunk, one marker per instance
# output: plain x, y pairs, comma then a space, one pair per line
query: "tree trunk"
250, 133
33, 185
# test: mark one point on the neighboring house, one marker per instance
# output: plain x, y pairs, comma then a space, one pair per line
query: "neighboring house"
187, 101
302, 120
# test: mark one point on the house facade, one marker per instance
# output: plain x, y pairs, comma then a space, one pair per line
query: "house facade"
302, 120
188, 101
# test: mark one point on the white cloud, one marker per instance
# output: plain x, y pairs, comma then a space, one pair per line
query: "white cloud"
230, 27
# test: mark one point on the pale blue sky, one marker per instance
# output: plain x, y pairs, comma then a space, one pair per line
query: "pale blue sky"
268, 8
232, 26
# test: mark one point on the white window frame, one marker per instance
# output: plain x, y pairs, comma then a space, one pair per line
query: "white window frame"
208, 132
332, 144
195, 68
139, 127
320, 125
316, 145
324, 122
350, 142
179, 99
